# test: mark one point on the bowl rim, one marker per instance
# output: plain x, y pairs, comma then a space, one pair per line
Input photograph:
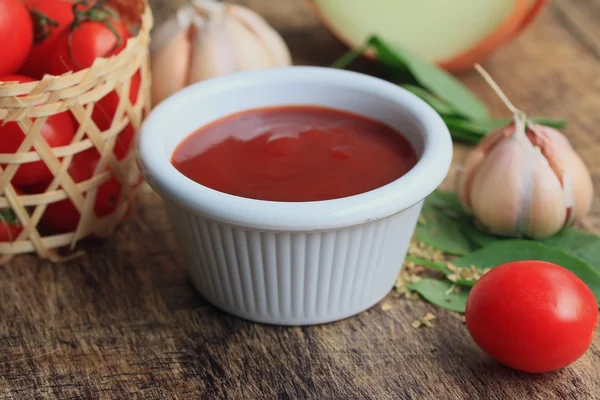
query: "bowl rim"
400, 194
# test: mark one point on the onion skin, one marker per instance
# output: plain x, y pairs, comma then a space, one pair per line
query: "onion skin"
519, 19
500, 36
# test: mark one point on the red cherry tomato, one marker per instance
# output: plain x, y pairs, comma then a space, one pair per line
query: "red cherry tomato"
10, 226
63, 215
58, 130
532, 316
50, 18
16, 35
77, 48
105, 110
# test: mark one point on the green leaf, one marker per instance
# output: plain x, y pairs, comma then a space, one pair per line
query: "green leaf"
349, 57
458, 226
481, 127
441, 232
478, 237
9, 216
438, 105
581, 244
464, 136
447, 200
427, 263
465, 115
551, 122
432, 78
515, 250
441, 294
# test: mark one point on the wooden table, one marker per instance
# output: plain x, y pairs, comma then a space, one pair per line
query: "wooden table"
124, 322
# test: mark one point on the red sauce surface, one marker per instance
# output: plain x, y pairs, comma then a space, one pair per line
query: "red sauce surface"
294, 153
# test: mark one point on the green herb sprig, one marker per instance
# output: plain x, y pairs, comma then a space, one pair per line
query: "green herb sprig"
445, 226
462, 251
466, 116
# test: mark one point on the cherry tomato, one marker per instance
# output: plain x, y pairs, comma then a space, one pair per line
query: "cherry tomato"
10, 226
77, 48
105, 110
63, 215
16, 35
58, 130
50, 18
532, 316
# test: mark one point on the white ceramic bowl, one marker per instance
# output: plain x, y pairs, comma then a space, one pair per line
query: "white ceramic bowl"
294, 263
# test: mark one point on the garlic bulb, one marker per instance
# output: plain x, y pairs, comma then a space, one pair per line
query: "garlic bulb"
207, 39
525, 180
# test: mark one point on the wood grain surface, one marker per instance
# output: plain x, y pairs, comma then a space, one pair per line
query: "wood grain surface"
124, 323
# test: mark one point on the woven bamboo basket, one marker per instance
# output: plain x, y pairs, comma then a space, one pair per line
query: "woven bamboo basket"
30, 104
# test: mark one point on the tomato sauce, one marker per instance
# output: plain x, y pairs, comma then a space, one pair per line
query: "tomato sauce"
294, 154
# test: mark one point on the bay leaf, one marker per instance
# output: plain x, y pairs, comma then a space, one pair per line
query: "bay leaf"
459, 135
478, 237
441, 232
482, 127
447, 200
432, 78
572, 240
551, 122
438, 105
505, 251
349, 57
441, 294
579, 243
458, 224
427, 263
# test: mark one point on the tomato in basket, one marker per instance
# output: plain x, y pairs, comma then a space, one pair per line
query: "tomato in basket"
16, 35
105, 111
62, 215
96, 33
58, 130
10, 226
50, 18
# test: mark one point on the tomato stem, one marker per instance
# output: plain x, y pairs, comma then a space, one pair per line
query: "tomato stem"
8, 215
43, 25
98, 12
8, 218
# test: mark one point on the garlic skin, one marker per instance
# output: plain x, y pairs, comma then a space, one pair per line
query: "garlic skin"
575, 168
206, 39
525, 180
170, 51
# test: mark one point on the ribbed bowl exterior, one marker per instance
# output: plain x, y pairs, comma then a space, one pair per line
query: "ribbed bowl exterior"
293, 278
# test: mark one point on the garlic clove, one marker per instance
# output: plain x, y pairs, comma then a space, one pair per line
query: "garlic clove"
170, 54
170, 66
545, 209
165, 33
576, 173
271, 40
581, 184
525, 179
228, 38
473, 162
206, 39
559, 140
211, 53
497, 186
530, 184
249, 51
465, 175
